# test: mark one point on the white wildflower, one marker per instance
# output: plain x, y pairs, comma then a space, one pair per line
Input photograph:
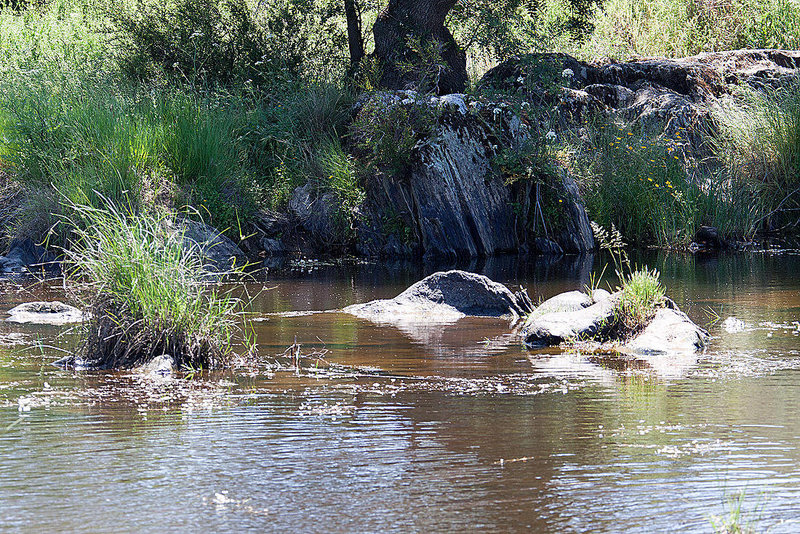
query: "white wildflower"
567, 73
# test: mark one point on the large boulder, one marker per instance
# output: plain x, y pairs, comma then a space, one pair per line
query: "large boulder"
446, 297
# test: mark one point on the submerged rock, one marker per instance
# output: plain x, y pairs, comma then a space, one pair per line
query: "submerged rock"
55, 313
159, 367
445, 297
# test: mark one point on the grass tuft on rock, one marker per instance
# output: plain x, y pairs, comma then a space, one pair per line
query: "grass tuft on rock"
149, 294
641, 295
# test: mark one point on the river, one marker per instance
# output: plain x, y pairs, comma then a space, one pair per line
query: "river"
418, 428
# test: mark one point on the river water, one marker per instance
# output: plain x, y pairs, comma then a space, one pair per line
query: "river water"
418, 428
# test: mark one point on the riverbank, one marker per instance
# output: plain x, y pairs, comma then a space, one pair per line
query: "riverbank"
284, 164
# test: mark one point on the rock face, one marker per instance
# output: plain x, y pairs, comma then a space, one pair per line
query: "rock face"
574, 316
452, 202
55, 313
445, 297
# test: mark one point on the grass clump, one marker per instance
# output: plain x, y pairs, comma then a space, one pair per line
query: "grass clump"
148, 295
759, 144
641, 295
647, 188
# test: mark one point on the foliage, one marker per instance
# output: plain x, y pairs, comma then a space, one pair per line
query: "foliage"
148, 296
88, 140
737, 519
678, 28
339, 176
646, 188
759, 143
386, 132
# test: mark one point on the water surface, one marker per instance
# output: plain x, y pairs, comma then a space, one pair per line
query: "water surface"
418, 427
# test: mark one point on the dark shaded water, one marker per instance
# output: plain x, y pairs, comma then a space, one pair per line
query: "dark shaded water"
453, 428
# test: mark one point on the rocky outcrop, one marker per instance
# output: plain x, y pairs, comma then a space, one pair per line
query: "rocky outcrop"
574, 317
53, 313
673, 96
446, 297
453, 202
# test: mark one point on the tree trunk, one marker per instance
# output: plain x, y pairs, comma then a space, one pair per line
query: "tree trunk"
354, 38
409, 35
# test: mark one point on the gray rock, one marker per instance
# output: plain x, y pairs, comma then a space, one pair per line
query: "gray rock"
445, 297
217, 252
670, 331
25, 256
570, 301
272, 247
552, 328
54, 313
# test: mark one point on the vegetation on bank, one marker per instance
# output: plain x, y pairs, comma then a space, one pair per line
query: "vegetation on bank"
226, 106
148, 294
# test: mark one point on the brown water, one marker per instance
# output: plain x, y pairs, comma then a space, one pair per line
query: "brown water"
448, 428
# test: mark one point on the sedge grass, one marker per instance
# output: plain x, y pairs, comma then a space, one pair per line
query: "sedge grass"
148, 294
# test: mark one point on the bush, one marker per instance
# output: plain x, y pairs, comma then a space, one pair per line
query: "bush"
208, 42
147, 293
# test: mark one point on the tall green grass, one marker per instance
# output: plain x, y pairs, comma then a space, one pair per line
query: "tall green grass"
759, 144
87, 139
148, 295
645, 186
677, 28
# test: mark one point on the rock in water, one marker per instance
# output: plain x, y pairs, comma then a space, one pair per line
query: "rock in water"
554, 327
159, 367
55, 313
446, 296
670, 331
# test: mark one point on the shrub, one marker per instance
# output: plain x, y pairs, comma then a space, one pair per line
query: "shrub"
208, 42
147, 293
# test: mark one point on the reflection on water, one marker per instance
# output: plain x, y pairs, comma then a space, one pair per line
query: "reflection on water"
459, 428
